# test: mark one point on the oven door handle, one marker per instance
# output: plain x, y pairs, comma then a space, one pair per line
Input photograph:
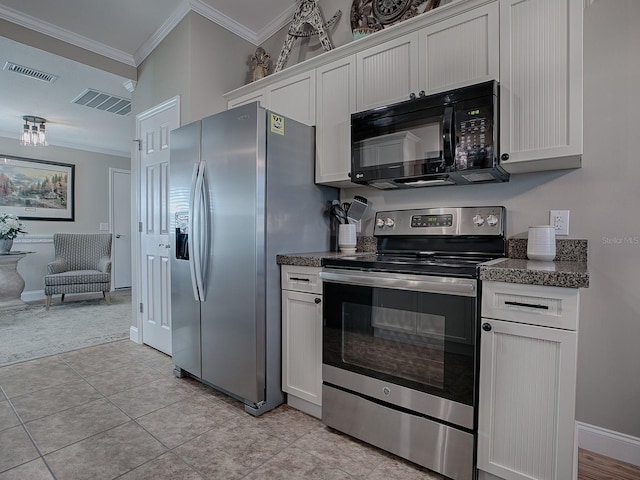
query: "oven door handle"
420, 283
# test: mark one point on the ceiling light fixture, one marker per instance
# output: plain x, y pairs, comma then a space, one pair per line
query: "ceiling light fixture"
33, 136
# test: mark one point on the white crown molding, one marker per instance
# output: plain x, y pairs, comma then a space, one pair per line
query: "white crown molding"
275, 25
221, 19
32, 23
154, 40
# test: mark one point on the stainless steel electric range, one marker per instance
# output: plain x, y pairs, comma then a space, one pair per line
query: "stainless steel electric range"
400, 335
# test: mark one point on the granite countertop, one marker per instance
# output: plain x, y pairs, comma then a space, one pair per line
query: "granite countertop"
311, 259
365, 246
569, 269
551, 274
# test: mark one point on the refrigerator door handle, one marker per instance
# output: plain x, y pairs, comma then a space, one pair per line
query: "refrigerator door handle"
200, 217
192, 233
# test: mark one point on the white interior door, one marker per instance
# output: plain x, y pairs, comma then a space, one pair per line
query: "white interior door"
120, 205
155, 276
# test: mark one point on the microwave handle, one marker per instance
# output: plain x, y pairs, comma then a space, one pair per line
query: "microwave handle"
447, 136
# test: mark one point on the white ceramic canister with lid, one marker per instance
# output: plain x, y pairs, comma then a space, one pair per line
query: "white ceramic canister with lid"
347, 237
541, 243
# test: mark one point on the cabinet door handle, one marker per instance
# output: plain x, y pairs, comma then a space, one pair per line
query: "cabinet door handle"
529, 305
486, 327
317, 300
296, 279
504, 157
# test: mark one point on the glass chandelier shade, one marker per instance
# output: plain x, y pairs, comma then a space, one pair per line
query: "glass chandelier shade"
33, 136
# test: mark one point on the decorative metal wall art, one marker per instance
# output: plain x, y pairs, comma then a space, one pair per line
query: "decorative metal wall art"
377, 14
307, 13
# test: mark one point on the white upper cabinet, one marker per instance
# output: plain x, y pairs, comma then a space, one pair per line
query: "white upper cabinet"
255, 96
540, 84
532, 47
294, 97
387, 73
461, 50
336, 96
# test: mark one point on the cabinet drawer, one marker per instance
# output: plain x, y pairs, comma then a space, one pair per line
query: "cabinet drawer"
301, 279
531, 304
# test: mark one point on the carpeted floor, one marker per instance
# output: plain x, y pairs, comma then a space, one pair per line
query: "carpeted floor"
81, 321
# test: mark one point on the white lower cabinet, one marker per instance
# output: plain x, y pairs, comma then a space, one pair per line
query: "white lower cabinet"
302, 338
528, 348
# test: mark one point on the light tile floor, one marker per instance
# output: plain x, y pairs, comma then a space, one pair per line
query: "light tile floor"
117, 411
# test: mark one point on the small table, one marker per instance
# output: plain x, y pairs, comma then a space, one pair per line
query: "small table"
11, 283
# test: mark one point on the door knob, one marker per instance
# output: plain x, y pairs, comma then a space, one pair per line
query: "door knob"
317, 300
486, 327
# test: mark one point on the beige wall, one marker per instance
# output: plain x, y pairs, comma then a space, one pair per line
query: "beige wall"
198, 60
91, 203
164, 73
218, 65
604, 198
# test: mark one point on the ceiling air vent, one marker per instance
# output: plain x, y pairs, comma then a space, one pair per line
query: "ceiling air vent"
30, 72
103, 101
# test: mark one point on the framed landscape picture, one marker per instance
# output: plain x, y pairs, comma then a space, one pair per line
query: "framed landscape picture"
36, 189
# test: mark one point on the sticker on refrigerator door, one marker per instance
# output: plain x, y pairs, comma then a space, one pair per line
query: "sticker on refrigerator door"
277, 124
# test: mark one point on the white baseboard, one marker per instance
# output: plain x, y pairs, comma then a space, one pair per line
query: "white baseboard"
32, 296
134, 336
607, 442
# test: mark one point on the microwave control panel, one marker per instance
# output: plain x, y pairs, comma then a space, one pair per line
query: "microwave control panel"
474, 138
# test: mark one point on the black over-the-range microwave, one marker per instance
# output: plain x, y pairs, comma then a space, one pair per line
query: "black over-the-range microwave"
447, 138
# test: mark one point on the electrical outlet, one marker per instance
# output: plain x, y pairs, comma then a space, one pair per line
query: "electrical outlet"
560, 221
104, 227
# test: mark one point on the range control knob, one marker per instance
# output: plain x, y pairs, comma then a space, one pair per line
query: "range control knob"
492, 220
380, 222
389, 222
478, 221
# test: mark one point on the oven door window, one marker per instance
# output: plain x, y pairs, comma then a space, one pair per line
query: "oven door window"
423, 341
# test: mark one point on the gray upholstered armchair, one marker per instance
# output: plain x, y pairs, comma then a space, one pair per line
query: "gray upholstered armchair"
82, 264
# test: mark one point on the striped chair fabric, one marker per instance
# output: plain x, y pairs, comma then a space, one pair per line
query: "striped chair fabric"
82, 264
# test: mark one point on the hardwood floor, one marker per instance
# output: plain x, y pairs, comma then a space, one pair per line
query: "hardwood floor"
592, 466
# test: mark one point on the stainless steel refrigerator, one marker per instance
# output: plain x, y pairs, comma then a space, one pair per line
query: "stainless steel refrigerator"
241, 191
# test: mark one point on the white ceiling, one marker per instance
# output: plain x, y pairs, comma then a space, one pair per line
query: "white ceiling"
124, 30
